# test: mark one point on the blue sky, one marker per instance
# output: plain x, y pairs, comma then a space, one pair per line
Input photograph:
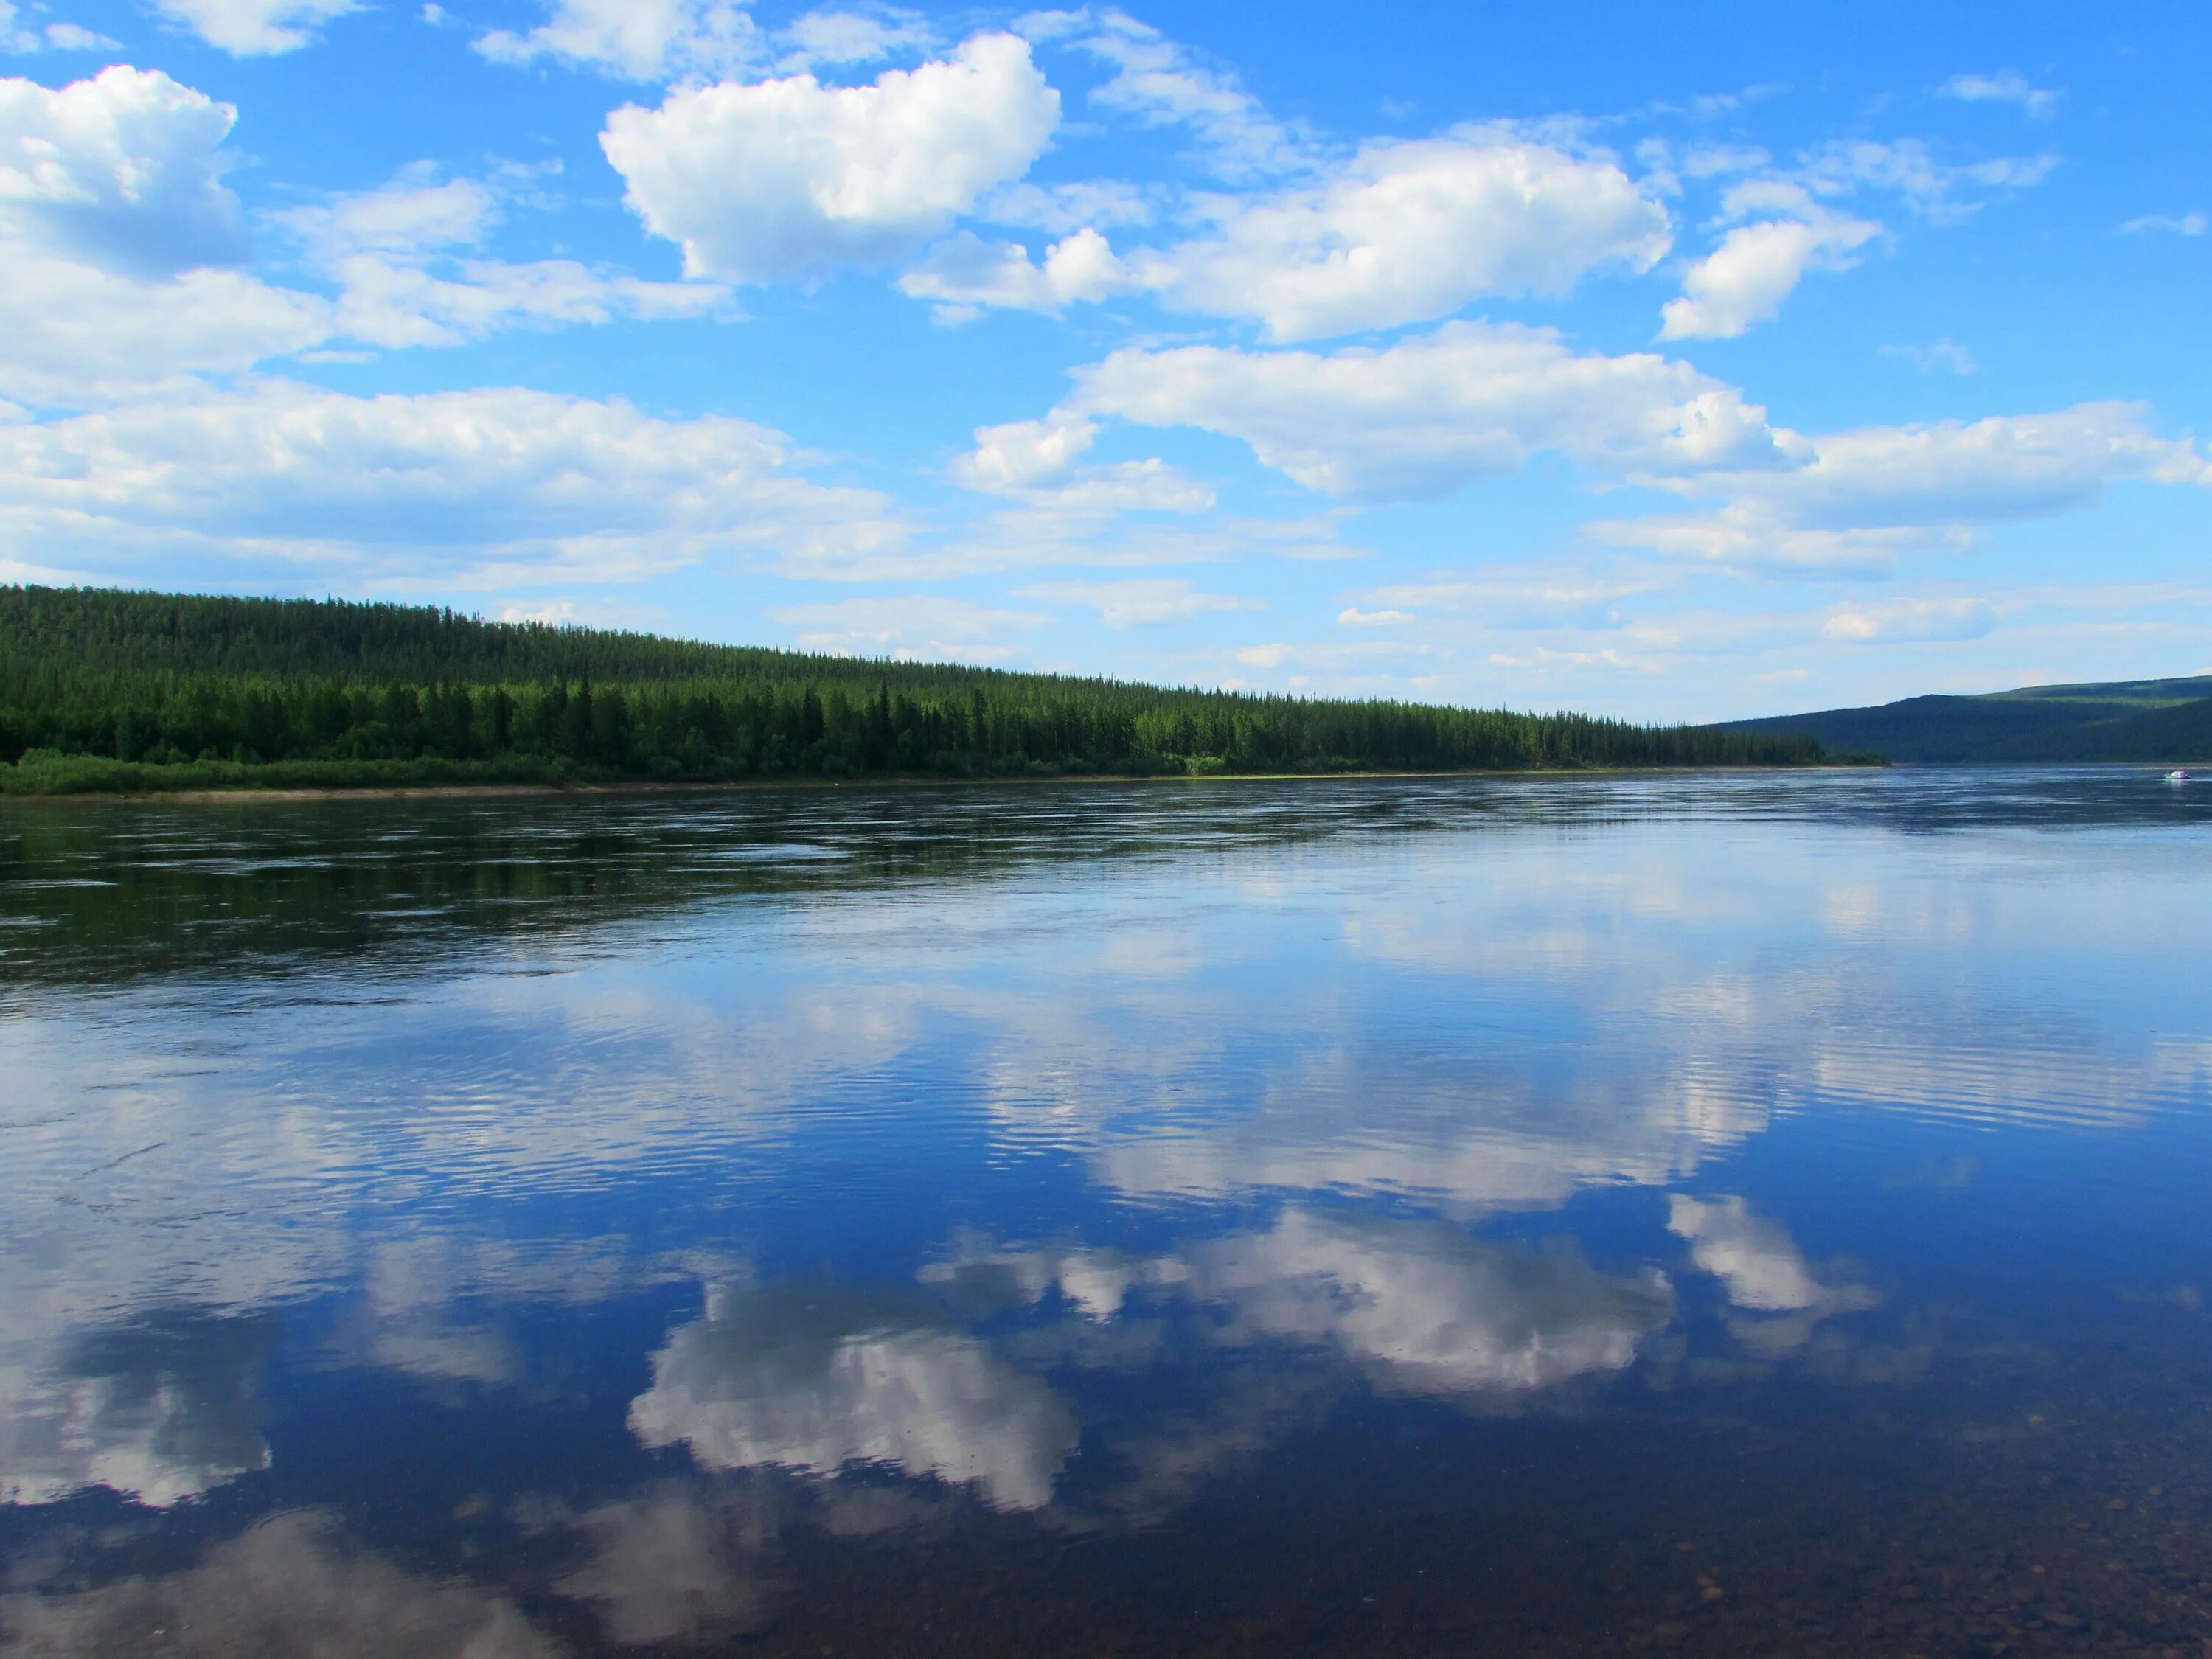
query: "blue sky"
1676, 362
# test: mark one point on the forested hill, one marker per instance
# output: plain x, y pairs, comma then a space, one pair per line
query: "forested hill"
2141, 720
113, 691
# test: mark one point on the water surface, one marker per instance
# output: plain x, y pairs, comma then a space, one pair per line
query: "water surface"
1729, 1214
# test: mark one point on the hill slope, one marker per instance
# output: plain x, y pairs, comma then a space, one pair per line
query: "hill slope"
136, 690
2141, 720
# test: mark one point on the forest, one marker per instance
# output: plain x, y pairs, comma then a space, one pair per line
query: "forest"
102, 690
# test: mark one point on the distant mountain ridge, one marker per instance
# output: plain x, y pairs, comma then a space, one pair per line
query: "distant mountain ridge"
2167, 721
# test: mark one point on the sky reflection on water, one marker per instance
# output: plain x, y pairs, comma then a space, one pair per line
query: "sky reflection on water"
902, 1220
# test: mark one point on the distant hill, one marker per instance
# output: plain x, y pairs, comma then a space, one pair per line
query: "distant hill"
2141, 720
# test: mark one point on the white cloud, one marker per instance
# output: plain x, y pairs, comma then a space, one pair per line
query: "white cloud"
255, 28
485, 486
399, 302
1161, 83
396, 253
1895, 621
1352, 617
929, 627
2006, 87
1745, 279
88, 337
1057, 209
1714, 160
114, 223
762, 1380
124, 170
787, 179
637, 40
1035, 462
1407, 231
53, 37
667, 40
2180, 224
1021, 453
1427, 416
1945, 354
1943, 192
848, 37
1141, 601
413, 214
965, 271
1862, 497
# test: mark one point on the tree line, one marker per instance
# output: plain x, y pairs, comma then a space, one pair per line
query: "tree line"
152, 681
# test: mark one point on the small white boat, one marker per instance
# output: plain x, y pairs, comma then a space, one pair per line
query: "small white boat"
2177, 776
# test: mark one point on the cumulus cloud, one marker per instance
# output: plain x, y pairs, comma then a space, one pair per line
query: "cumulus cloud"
1423, 418
1036, 462
117, 237
1758, 265
255, 28
965, 272
490, 485
1025, 452
1407, 231
89, 336
1142, 600
637, 40
770, 1379
293, 1584
1862, 497
1402, 231
2005, 86
787, 179
122, 171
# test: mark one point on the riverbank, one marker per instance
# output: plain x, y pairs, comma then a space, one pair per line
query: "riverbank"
257, 789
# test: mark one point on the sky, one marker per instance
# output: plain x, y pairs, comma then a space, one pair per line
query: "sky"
1675, 362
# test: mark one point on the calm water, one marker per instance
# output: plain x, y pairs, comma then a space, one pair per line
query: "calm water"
1710, 1215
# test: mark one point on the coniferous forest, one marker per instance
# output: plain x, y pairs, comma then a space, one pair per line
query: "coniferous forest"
126, 691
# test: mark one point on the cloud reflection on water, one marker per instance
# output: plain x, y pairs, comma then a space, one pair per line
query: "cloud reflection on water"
291, 1586
160, 1408
816, 1381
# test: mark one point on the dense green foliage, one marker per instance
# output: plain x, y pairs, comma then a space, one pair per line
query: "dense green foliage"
2142, 720
104, 690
